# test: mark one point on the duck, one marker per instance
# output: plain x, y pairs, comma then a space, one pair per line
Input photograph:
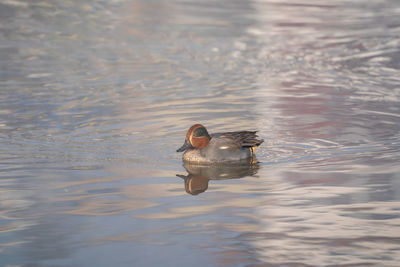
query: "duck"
227, 147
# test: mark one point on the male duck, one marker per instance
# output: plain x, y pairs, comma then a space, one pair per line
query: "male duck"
202, 147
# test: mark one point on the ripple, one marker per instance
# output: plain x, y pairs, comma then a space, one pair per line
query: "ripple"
96, 97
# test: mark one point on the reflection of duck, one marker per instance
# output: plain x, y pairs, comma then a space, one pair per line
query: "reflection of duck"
196, 181
201, 147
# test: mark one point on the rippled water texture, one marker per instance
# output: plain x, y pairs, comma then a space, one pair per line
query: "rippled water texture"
96, 96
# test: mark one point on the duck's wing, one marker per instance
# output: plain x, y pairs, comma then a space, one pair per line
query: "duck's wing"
241, 138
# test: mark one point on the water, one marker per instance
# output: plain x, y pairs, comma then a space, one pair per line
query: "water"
96, 96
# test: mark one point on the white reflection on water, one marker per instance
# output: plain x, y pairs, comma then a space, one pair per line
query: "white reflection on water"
343, 220
329, 211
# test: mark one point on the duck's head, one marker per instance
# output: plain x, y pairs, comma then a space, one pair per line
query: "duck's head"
196, 137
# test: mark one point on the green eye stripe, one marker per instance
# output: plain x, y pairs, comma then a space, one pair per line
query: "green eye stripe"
200, 132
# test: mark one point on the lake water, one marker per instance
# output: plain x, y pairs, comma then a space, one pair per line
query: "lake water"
96, 96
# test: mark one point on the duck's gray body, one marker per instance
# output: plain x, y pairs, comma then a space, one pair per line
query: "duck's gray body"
225, 147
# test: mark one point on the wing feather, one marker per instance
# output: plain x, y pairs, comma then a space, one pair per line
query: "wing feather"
241, 138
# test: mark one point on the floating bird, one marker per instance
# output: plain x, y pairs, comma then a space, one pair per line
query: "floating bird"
202, 147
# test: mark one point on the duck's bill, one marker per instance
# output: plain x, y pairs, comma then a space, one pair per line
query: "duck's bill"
185, 146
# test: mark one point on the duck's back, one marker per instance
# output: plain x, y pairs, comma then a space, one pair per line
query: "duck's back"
240, 138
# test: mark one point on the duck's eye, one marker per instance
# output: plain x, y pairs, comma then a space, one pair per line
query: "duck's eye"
200, 132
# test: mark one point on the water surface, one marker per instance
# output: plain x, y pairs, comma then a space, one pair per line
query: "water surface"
97, 96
